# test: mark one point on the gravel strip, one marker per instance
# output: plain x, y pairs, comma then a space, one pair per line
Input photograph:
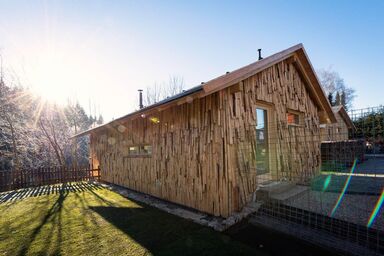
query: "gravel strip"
352, 208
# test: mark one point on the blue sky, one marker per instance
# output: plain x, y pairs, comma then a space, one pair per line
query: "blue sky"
106, 50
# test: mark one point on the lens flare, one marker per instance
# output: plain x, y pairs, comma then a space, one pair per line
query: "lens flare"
326, 182
344, 188
154, 120
376, 210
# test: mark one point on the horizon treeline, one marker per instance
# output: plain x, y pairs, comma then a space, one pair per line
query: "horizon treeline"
35, 133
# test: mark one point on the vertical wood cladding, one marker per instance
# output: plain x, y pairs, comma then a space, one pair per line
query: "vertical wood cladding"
203, 151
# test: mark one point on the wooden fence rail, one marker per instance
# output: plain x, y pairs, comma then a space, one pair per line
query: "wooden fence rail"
10, 180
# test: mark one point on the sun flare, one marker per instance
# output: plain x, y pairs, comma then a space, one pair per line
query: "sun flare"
49, 78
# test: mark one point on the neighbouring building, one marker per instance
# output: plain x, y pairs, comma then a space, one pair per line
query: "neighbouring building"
210, 147
339, 131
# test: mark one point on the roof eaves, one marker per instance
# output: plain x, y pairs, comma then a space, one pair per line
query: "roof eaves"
143, 110
346, 118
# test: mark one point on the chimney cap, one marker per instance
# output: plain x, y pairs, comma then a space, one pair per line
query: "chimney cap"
141, 99
259, 50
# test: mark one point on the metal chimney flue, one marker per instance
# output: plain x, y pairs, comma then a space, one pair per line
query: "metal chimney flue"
141, 99
259, 50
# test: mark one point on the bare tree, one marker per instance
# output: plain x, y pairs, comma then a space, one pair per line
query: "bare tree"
175, 85
34, 133
55, 129
56, 124
15, 107
153, 94
160, 91
334, 85
9, 117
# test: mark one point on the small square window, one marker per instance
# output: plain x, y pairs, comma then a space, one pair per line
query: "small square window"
133, 150
146, 150
293, 119
140, 151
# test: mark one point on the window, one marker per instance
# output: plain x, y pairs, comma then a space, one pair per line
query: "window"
146, 150
293, 118
133, 150
140, 151
262, 159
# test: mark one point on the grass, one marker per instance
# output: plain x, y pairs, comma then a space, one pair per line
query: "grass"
84, 219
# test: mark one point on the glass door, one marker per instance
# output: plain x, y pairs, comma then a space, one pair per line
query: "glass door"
262, 159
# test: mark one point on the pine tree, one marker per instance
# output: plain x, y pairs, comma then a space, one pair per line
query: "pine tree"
100, 120
330, 99
338, 99
342, 100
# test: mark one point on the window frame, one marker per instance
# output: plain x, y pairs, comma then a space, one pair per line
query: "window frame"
299, 118
266, 127
141, 152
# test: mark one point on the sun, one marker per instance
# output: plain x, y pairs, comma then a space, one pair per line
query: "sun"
48, 79
53, 77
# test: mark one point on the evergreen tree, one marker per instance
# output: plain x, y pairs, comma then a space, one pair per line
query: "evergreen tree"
342, 100
100, 121
330, 99
338, 99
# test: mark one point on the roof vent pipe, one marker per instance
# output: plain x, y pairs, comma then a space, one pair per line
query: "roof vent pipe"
140, 98
259, 50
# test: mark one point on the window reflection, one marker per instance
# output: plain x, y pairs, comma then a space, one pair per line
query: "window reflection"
261, 141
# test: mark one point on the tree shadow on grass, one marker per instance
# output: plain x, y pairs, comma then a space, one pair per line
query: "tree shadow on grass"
52, 212
164, 234
15, 195
53, 215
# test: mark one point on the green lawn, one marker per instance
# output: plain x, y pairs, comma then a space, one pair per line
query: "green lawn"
84, 219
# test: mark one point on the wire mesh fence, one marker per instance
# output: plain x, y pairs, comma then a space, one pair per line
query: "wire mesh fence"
317, 188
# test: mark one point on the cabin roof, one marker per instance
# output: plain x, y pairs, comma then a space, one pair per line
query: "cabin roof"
344, 115
140, 112
296, 54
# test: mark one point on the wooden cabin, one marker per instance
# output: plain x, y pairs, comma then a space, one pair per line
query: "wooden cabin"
210, 147
339, 131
